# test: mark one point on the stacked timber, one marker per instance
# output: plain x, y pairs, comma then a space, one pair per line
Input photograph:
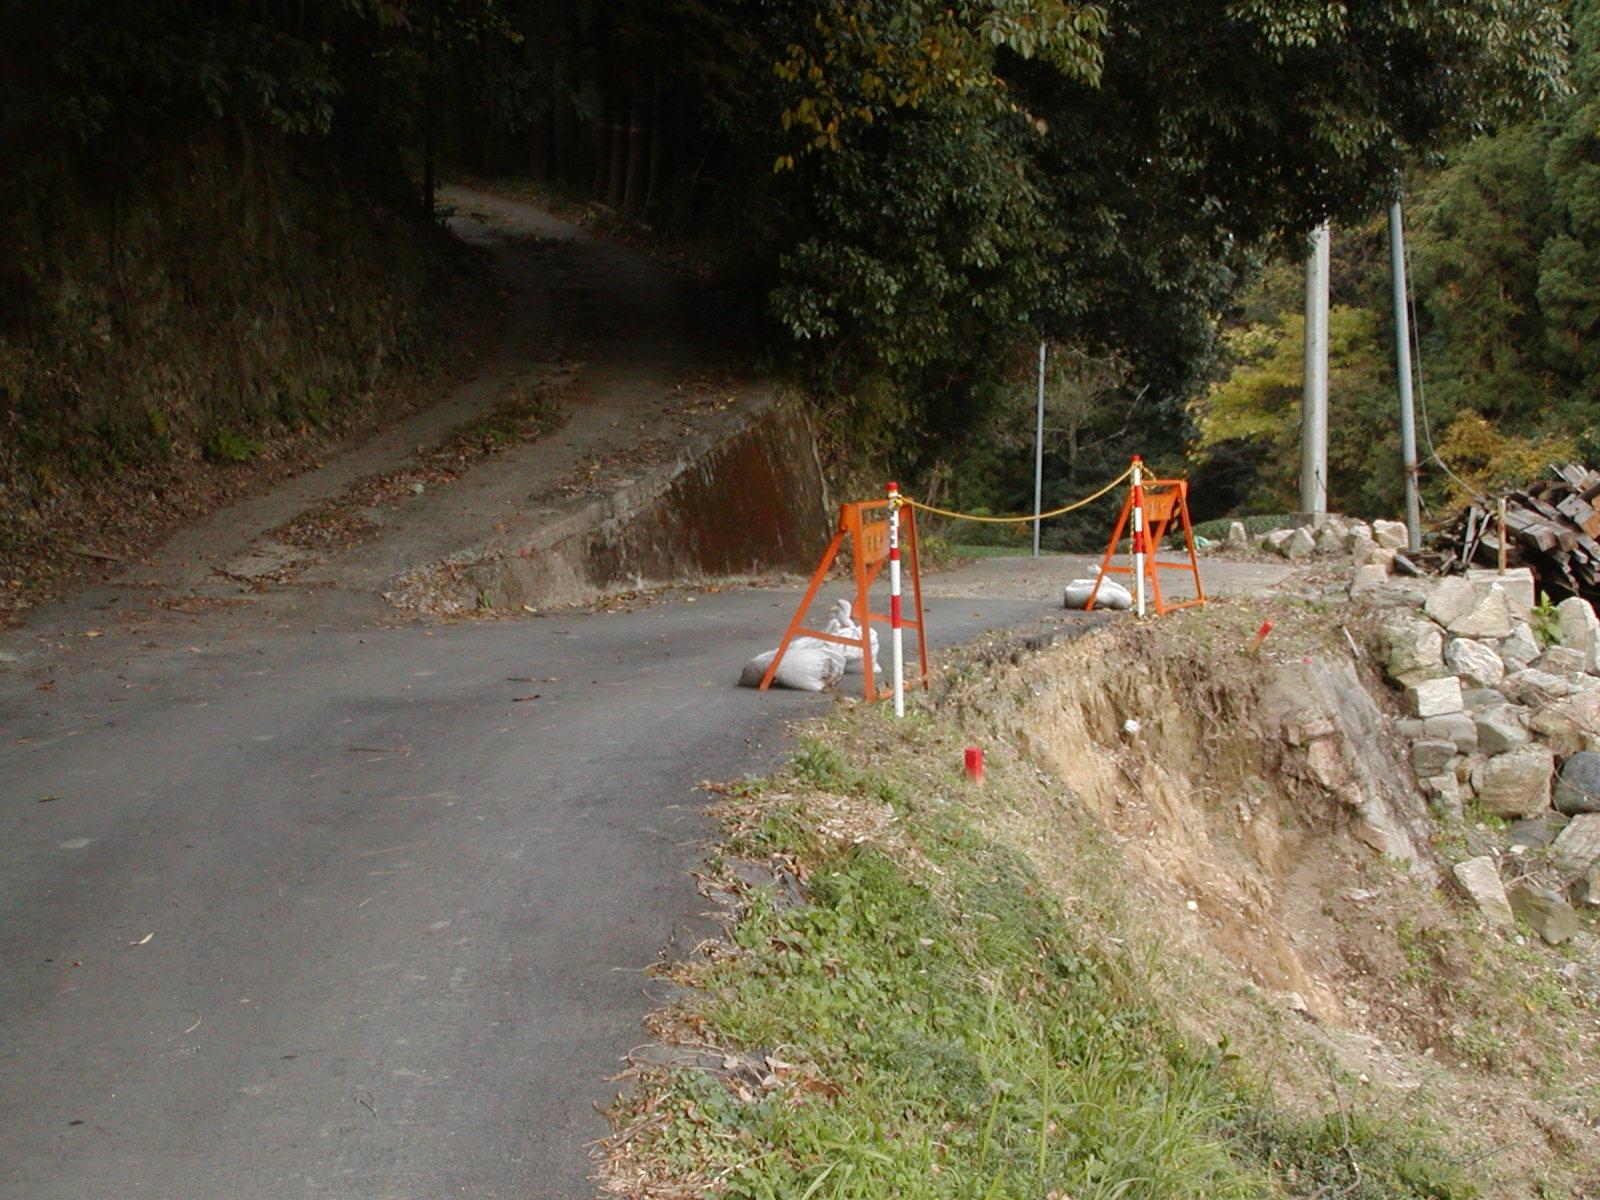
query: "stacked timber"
1552, 527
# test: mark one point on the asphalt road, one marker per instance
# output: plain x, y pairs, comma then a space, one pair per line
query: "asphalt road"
359, 913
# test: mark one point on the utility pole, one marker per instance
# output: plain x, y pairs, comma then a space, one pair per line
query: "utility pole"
1402, 363
1038, 457
1314, 401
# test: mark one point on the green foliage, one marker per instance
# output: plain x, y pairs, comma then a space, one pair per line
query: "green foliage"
231, 446
942, 1032
1258, 405
1545, 622
1504, 241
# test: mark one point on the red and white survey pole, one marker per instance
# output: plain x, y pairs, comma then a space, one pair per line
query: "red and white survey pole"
896, 643
1138, 535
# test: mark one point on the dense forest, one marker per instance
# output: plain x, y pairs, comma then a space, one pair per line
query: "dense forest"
915, 193
1504, 249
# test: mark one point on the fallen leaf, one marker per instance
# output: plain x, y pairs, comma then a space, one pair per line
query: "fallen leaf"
142, 940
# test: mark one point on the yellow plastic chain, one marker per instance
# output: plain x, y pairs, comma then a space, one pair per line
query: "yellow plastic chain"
1055, 512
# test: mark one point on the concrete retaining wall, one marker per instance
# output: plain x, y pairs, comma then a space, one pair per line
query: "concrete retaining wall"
747, 501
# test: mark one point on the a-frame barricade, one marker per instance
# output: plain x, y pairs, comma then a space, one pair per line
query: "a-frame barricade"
1162, 501
869, 542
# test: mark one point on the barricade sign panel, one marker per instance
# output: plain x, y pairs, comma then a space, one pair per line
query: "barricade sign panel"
872, 541
1151, 507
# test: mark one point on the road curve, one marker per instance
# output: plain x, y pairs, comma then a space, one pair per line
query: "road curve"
359, 913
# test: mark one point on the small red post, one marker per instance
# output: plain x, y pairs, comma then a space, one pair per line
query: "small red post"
1261, 636
975, 764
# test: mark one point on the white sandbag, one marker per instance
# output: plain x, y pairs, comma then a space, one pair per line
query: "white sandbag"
1112, 595
842, 624
809, 665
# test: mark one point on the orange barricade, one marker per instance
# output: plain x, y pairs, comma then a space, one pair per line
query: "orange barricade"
1165, 500
869, 540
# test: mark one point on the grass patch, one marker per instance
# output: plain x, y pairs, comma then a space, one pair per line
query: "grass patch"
935, 1021
967, 550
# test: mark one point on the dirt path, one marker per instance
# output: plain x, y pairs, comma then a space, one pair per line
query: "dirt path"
599, 335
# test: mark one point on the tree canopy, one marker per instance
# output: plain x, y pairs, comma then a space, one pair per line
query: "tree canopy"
918, 186
1505, 255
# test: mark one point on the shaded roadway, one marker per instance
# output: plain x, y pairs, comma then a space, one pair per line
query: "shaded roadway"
400, 886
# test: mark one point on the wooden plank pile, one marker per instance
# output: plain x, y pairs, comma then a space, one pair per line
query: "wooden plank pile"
1553, 527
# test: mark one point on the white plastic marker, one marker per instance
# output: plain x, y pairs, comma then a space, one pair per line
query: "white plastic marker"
895, 639
1138, 535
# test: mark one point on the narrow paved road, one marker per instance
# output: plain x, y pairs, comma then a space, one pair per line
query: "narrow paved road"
358, 913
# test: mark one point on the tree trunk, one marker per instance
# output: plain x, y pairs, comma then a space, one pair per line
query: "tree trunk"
619, 154
599, 148
653, 186
631, 195
430, 151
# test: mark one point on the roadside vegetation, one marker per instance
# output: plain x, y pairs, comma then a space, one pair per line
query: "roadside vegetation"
955, 991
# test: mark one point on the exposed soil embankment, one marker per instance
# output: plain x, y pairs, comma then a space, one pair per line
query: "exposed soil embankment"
1264, 818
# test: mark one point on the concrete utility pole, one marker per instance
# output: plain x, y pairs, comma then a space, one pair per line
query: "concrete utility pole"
1314, 402
1402, 363
1038, 457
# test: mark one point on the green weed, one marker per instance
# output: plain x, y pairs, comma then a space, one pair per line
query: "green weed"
230, 446
945, 1033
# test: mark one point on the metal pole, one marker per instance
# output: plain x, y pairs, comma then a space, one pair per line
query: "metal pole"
1501, 536
1402, 364
895, 636
1138, 535
1038, 457
1314, 403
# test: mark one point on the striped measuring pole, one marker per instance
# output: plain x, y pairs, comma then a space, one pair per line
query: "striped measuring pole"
897, 648
1138, 535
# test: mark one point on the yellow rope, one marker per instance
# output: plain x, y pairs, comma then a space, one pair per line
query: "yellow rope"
1055, 512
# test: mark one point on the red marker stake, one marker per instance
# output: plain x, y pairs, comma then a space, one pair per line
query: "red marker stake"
975, 764
1261, 636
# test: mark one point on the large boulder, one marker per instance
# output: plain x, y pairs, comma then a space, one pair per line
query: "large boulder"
1571, 724
1299, 544
1502, 728
1537, 688
1456, 728
1517, 583
1480, 879
1434, 697
1475, 700
1391, 535
1374, 555
1476, 663
1544, 912
1273, 541
1330, 539
1473, 608
1577, 849
1517, 783
1587, 889
1238, 538
1430, 756
1521, 648
1577, 789
1580, 630
1452, 597
1562, 660
1490, 617
1416, 651
1535, 833
1444, 795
